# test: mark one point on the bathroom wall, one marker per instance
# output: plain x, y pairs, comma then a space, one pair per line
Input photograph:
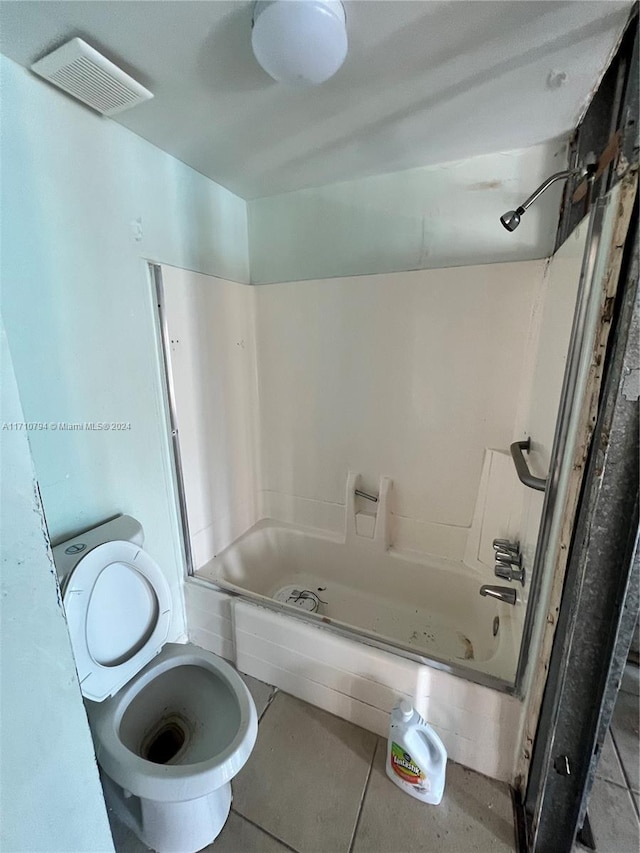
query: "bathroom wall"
410, 375
50, 794
211, 327
425, 218
84, 203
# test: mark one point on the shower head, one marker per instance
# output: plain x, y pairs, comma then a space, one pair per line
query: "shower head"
511, 219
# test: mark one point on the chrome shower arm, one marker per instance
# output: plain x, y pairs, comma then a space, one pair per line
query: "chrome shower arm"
559, 176
511, 219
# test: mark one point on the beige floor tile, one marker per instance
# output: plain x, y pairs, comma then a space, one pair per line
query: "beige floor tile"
609, 765
305, 778
613, 819
240, 836
475, 815
624, 728
260, 691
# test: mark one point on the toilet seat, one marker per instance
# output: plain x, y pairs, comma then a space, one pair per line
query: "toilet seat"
118, 608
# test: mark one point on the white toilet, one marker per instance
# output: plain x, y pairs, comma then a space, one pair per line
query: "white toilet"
172, 724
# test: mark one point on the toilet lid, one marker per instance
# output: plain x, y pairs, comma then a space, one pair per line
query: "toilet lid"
118, 607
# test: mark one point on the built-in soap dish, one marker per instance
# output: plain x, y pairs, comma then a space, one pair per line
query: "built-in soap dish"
367, 518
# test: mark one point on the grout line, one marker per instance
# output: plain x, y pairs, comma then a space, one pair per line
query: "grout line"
624, 773
622, 785
262, 829
364, 794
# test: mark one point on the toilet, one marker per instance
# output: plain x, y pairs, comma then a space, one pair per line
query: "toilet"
172, 724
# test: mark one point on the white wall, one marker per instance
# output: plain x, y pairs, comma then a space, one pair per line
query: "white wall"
436, 216
410, 375
213, 365
77, 189
50, 794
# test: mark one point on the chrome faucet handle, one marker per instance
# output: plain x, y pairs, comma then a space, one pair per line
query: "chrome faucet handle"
503, 572
509, 572
514, 558
506, 545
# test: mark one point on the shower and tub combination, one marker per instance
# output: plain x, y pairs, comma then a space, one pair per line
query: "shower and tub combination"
352, 537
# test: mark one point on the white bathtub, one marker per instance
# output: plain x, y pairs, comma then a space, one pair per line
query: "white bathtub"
429, 608
392, 626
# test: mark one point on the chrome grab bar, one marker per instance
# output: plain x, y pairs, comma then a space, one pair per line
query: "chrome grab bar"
522, 469
366, 496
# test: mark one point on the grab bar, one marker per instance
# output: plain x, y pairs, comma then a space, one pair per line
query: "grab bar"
366, 496
522, 469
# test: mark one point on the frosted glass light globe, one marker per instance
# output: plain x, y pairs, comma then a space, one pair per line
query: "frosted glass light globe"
300, 42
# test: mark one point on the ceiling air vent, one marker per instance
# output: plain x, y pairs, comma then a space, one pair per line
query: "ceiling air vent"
89, 76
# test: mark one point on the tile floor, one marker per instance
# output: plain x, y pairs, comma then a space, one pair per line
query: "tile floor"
614, 806
317, 784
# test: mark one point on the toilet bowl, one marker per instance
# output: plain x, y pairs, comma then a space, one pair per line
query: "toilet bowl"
169, 743
172, 724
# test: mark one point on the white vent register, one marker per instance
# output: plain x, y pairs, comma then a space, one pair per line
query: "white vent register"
81, 71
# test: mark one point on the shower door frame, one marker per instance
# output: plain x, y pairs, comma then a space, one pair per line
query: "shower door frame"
571, 397
162, 328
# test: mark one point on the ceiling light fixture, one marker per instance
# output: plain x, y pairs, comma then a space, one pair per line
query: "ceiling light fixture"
299, 42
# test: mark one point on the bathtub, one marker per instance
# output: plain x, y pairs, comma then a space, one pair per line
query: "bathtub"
426, 609
390, 625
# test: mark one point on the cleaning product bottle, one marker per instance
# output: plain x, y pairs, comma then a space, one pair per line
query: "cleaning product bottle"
416, 757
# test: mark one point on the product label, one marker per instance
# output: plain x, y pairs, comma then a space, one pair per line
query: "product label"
405, 767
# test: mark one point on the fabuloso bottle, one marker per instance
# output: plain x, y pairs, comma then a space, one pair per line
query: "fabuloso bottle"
416, 757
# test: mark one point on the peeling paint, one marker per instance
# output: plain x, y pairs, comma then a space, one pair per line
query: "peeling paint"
39, 510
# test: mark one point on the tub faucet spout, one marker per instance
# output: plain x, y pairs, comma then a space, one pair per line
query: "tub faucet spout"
502, 593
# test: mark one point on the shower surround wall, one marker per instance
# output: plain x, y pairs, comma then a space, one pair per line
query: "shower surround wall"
211, 330
410, 375
283, 390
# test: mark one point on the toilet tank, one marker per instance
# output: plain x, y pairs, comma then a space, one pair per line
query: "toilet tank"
67, 555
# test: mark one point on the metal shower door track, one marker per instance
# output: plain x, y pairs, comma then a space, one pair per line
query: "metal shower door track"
155, 271
569, 399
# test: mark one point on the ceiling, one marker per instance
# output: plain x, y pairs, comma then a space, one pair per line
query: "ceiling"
423, 83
